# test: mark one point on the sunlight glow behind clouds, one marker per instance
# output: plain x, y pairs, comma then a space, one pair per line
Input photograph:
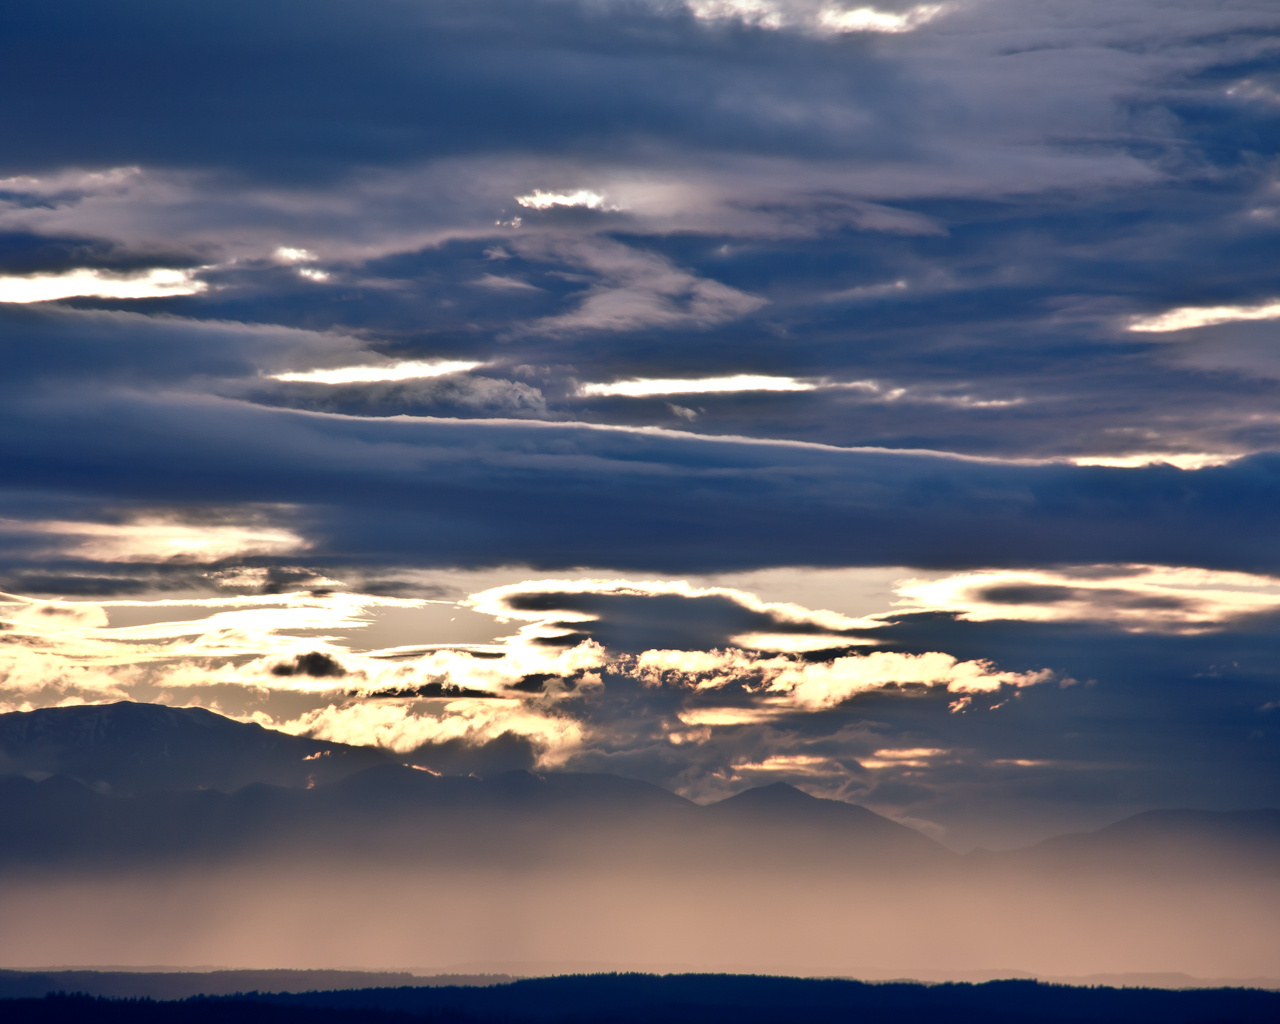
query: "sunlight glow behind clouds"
869, 19
162, 540
1183, 460
828, 20
230, 653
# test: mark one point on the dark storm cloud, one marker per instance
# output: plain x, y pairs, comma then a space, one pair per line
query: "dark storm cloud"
1041, 174
314, 90
436, 492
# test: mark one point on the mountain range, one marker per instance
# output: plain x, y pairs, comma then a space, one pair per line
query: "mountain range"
130, 781
135, 833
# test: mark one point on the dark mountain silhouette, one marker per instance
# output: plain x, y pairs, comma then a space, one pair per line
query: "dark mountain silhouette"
145, 782
794, 820
393, 811
132, 748
126, 781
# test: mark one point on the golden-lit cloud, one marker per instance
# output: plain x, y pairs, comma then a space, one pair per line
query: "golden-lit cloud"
905, 757
156, 539
404, 728
549, 608
295, 661
1136, 598
789, 683
792, 764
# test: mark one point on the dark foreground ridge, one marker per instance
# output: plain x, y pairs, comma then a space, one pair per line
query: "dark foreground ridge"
171, 985
678, 999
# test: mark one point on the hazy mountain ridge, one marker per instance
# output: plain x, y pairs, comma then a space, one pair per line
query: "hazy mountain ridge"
131, 748
395, 865
137, 782
144, 984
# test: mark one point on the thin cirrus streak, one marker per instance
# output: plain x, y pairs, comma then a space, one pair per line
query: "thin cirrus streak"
1185, 318
408, 370
704, 386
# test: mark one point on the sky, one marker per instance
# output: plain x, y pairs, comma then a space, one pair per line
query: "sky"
879, 399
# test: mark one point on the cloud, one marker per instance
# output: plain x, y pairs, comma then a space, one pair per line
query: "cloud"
869, 19
931, 229
1188, 317
499, 283
157, 539
1131, 597
709, 385
811, 686
814, 16
398, 728
629, 615
539, 200
411, 370
633, 289
283, 661
150, 284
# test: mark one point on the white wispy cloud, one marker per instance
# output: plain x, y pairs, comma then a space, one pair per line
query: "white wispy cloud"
539, 200
819, 17
632, 289
1186, 317
406, 370
1135, 598
706, 385
87, 282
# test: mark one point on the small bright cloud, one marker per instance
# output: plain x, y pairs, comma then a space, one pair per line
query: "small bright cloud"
291, 255
402, 729
1186, 317
912, 757
412, 370
827, 20
869, 19
152, 284
793, 764
1183, 460
539, 200
509, 284
706, 385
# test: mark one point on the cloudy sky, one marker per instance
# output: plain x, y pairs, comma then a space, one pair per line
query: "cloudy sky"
881, 399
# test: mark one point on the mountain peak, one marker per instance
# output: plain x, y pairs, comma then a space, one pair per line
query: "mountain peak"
129, 747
